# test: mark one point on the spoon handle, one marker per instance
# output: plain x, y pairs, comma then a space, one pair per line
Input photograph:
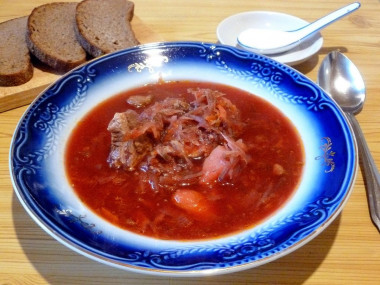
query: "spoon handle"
328, 19
370, 172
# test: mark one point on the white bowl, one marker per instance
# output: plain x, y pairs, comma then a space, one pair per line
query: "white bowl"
228, 30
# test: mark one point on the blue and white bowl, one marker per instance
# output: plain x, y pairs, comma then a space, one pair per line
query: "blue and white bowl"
37, 159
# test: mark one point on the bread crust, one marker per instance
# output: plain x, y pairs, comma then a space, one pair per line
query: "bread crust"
15, 63
104, 26
51, 36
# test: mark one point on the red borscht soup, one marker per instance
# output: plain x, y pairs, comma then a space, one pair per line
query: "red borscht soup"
184, 160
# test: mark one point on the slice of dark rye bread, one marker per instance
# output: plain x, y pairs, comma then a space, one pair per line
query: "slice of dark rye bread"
15, 64
51, 36
104, 26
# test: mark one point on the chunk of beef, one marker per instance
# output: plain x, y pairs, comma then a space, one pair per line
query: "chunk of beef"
140, 101
126, 152
174, 143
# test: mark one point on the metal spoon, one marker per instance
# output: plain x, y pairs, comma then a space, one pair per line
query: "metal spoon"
267, 41
339, 77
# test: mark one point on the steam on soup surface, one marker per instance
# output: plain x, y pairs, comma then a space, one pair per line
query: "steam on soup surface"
184, 160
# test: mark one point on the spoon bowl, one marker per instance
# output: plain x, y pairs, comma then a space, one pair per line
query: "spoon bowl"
339, 77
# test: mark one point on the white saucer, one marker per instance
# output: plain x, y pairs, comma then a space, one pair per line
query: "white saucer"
228, 30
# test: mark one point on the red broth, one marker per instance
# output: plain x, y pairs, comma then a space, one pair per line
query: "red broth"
263, 186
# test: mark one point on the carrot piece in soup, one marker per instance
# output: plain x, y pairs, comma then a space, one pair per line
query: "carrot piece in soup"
194, 203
